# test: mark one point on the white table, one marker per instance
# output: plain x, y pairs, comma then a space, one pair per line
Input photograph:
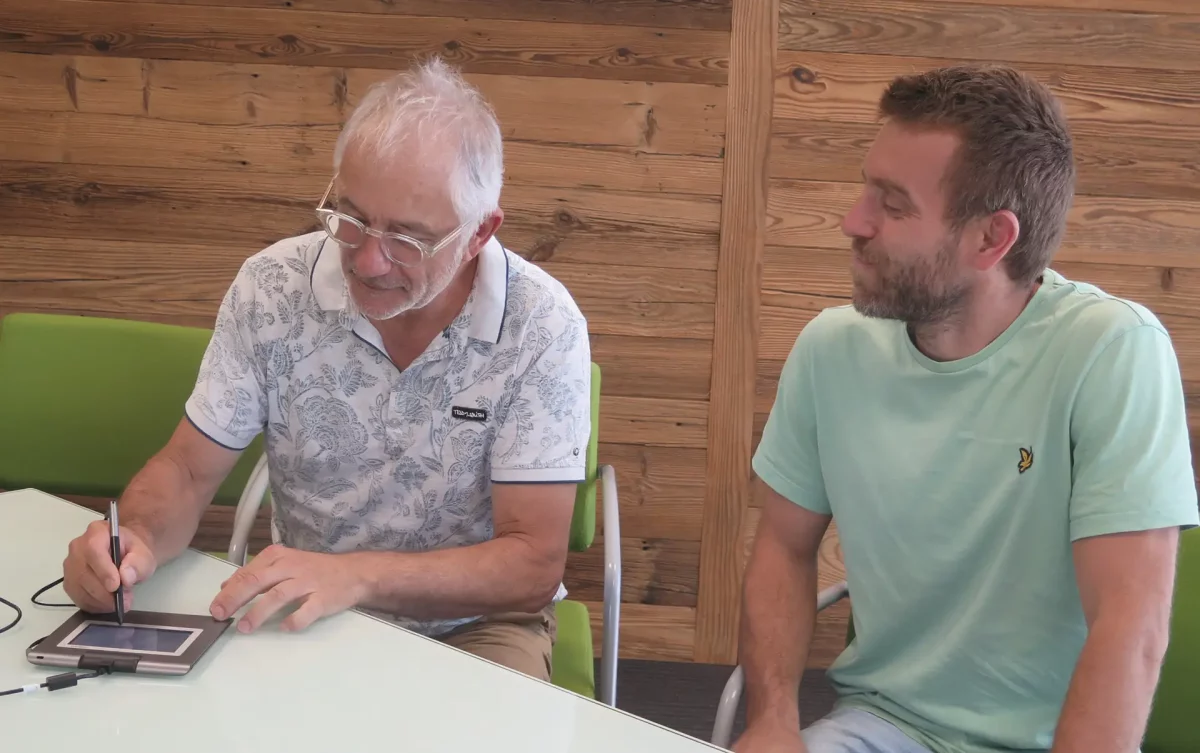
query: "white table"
348, 683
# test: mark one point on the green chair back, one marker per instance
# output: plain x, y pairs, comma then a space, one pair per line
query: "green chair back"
86, 401
583, 520
1173, 726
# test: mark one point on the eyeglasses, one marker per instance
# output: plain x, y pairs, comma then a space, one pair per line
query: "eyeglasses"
401, 249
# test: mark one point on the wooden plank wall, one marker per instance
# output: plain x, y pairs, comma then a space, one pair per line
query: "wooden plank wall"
681, 165
147, 148
1128, 72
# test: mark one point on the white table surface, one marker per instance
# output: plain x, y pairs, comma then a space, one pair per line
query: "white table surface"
347, 683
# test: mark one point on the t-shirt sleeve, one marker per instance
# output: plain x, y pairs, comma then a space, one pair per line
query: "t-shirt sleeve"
787, 458
542, 434
228, 403
1131, 458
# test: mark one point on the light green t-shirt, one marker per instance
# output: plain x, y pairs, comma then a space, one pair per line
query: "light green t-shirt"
957, 489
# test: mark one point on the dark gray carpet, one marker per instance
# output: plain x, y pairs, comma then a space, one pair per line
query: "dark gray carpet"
684, 696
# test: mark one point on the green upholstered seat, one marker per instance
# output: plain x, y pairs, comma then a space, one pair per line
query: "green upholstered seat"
1173, 726
572, 663
86, 401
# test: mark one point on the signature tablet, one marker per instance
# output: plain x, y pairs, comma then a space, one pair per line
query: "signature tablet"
155, 643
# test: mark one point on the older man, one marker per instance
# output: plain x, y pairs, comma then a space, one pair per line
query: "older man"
424, 395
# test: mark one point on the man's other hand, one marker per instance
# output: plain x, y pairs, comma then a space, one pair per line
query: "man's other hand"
323, 584
770, 738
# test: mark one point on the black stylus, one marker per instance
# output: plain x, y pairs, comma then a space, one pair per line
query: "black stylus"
115, 542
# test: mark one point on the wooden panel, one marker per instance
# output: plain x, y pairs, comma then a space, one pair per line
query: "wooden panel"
656, 421
654, 367
660, 489
808, 213
647, 118
256, 209
813, 85
139, 280
649, 631
87, 138
291, 37
653, 571
692, 14
1112, 160
735, 342
1138, 6
963, 30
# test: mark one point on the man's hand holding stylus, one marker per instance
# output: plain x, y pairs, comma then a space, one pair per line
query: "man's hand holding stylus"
89, 576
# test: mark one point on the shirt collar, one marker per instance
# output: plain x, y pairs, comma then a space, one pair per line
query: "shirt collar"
482, 317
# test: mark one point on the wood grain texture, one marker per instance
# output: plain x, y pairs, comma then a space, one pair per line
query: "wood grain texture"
1133, 6
653, 571
730, 415
665, 633
678, 14
87, 139
808, 214
655, 421
813, 85
1112, 160
643, 118
659, 491
964, 30
290, 37
140, 279
654, 366
256, 209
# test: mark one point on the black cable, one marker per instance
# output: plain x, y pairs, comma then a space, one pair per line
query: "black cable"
43, 590
58, 682
16, 609
34, 599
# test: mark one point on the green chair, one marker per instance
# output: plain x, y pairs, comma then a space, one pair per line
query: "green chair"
1171, 727
572, 660
86, 401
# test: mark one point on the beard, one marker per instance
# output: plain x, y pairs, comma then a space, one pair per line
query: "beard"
919, 291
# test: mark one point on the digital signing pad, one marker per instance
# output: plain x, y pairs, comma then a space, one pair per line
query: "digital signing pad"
147, 642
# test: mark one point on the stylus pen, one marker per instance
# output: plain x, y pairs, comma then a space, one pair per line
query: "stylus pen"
115, 541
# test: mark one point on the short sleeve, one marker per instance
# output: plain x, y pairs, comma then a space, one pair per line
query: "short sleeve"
787, 457
1131, 458
228, 403
542, 435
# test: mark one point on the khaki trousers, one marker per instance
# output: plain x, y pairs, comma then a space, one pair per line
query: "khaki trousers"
518, 640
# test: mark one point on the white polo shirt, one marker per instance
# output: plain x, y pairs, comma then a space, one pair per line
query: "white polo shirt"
364, 456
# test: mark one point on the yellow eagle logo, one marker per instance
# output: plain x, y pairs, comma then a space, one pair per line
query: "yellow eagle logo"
1026, 461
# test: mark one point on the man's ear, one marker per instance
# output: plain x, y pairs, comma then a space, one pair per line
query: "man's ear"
996, 235
486, 230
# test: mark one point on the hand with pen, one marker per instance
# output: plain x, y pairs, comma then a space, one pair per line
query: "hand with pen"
91, 577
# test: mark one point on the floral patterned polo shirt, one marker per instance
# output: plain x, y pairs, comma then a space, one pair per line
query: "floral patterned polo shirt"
365, 456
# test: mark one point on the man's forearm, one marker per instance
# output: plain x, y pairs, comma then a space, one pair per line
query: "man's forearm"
1108, 702
500, 575
778, 615
163, 506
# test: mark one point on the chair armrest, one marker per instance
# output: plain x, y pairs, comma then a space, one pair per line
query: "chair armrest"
731, 696
612, 586
247, 510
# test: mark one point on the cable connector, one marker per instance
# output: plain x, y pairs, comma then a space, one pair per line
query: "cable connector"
65, 680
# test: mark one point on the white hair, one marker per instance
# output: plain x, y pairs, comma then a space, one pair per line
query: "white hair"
432, 95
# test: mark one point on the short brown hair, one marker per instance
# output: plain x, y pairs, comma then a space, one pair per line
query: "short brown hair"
1016, 151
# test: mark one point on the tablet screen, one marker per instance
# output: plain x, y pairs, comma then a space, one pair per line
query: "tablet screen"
131, 638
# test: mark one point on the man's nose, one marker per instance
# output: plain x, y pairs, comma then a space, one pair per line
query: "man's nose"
370, 259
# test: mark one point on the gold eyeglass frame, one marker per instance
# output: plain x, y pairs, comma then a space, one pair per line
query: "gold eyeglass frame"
427, 250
